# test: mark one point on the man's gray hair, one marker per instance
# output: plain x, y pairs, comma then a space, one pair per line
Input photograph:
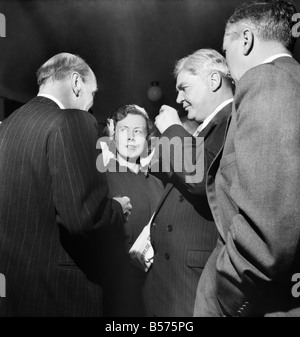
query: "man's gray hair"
203, 60
60, 66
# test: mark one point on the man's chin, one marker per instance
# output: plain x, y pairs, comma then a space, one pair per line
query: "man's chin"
191, 115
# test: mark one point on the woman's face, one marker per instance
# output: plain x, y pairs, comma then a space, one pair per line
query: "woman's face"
130, 136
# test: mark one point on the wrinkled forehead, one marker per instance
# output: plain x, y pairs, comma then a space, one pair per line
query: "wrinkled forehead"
184, 76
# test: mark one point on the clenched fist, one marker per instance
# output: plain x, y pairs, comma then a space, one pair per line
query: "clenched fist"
167, 116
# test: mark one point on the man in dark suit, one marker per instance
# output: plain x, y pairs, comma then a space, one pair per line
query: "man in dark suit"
254, 184
183, 234
53, 200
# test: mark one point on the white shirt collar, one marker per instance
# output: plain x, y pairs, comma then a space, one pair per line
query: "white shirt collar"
211, 116
107, 155
276, 56
59, 103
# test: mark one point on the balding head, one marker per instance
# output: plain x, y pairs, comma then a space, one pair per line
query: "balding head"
69, 79
61, 66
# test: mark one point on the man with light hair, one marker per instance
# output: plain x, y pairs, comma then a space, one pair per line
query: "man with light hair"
254, 184
54, 206
183, 233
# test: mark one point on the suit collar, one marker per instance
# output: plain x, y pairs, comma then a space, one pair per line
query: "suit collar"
211, 116
221, 115
45, 100
275, 57
58, 102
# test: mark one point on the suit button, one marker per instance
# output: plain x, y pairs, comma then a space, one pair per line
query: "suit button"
170, 228
180, 198
167, 256
153, 224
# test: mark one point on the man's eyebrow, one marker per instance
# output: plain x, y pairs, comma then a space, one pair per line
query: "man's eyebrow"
179, 86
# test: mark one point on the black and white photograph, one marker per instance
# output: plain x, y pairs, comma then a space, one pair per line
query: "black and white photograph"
150, 161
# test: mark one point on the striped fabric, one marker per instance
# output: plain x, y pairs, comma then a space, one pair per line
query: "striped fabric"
52, 198
184, 234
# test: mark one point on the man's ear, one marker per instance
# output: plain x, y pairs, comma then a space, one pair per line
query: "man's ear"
76, 83
215, 80
248, 41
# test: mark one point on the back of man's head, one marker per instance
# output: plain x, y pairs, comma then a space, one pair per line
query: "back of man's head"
203, 61
271, 21
58, 67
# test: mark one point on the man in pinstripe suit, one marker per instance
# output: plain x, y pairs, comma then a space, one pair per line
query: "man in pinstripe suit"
54, 204
183, 234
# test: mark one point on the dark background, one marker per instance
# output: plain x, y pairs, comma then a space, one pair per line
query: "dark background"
128, 44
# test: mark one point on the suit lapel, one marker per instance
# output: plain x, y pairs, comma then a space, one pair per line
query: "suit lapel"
221, 115
216, 161
166, 192
210, 183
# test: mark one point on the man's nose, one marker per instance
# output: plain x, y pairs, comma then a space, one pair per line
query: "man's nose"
179, 98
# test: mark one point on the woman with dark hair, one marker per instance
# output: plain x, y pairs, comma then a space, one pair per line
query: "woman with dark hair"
129, 129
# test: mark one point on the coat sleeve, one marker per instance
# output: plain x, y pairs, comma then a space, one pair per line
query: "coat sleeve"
261, 246
191, 157
79, 190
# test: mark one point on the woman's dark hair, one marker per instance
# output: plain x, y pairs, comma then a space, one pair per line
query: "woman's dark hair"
122, 112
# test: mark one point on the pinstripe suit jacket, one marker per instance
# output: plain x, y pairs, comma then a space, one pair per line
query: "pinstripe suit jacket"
53, 209
253, 189
183, 233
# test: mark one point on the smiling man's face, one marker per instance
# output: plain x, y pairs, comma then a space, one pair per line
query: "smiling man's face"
194, 94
